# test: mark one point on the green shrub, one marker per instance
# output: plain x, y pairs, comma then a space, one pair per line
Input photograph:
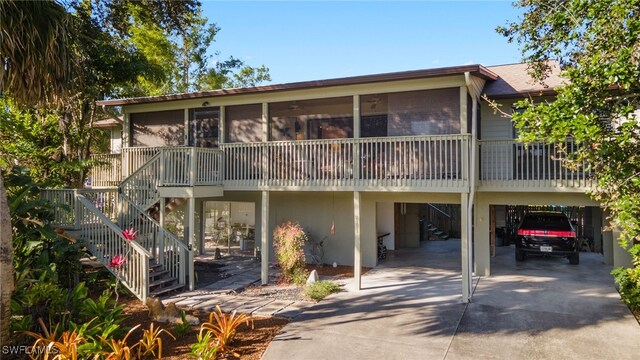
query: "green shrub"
289, 239
298, 276
321, 289
628, 280
184, 327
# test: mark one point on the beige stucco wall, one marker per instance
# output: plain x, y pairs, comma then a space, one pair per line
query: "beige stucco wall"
317, 210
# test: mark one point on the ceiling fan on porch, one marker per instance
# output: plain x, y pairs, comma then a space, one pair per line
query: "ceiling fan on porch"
295, 107
373, 102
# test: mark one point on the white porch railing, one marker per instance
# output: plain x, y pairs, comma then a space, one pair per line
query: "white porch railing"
64, 201
133, 158
105, 241
511, 164
409, 161
179, 165
106, 171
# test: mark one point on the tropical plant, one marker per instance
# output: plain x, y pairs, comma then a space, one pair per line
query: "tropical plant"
289, 239
118, 349
64, 347
223, 327
204, 348
184, 327
104, 309
151, 342
320, 289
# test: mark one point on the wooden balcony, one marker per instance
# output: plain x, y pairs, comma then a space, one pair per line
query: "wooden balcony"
508, 165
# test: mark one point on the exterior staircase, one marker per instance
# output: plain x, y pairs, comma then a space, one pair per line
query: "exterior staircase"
436, 232
156, 261
161, 283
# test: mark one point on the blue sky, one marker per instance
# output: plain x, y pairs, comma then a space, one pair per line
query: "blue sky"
313, 40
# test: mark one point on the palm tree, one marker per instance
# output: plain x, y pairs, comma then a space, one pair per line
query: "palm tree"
35, 64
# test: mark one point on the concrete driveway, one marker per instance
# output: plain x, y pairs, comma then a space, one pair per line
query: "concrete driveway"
410, 308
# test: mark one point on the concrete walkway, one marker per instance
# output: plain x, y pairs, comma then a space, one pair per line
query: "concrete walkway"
410, 309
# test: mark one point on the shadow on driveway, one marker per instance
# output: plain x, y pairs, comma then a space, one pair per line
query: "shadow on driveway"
410, 308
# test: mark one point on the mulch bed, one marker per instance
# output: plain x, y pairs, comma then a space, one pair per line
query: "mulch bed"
281, 290
249, 343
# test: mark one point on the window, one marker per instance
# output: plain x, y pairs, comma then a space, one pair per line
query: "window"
425, 112
243, 123
158, 128
330, 118
203, 127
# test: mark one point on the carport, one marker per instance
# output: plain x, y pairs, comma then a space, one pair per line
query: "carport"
490, 216
411, 309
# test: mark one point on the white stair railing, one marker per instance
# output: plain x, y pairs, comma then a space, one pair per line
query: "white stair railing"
141, 187
64, 203
162, 244
105, 241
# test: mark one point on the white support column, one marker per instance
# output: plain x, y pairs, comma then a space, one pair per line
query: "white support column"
221, 126
193, 166
126, 131
187, 130
160, 258
190, 231
464, 247
607, 239
463, 110
265, 122
356, 134
264, 237
265, 138
357, 248
481, 244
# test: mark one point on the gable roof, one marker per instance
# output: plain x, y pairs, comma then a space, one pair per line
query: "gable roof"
476, 70
514, 81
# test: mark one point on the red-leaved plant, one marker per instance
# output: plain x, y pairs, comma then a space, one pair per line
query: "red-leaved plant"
117, 262
288, 241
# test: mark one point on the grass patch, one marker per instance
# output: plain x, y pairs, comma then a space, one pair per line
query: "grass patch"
321, 289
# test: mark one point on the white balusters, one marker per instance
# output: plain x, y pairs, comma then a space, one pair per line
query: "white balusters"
511, 164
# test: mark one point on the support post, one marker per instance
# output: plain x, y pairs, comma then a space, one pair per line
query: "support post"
357, 248
193, 165
482, 231
191, 204
356, 134
264, 237
464, 247
160, 258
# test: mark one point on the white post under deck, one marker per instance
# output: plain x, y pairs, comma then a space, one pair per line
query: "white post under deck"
357, 249
264, 237
464, 247
191, 204
162, 213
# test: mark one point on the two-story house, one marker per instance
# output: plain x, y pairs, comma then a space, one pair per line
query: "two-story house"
350, 159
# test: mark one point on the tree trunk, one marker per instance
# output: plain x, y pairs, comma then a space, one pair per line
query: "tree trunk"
6, 267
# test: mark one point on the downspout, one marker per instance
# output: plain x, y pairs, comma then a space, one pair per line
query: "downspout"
472, 178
